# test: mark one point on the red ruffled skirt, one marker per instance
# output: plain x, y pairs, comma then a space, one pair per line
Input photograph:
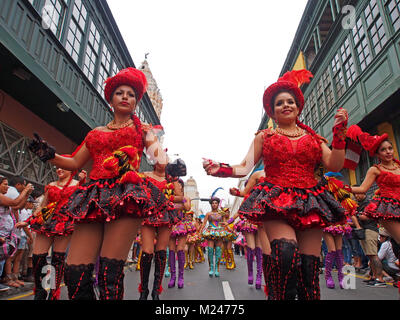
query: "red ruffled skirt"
302, 208
58, 225
382, 208
105, 200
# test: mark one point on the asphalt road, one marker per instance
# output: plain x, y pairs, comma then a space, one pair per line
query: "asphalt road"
232, 285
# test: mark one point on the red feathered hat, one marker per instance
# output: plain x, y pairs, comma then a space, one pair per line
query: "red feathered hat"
290, 81
368, 142
131, 77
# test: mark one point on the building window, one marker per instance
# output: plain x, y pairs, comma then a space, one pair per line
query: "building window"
92, 49
321, 99
104, 72
313, 108
54, 15
348, 62
114, 69
329, 98
338, 80
375, 26
393, 7
361, 45
76, 30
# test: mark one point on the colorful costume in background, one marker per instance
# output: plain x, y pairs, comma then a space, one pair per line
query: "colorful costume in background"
214, 232
342, 194
182, 228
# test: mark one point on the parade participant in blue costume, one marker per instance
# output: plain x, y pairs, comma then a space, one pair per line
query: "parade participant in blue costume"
214, 235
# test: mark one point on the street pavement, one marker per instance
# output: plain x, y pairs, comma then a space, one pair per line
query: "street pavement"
232, 285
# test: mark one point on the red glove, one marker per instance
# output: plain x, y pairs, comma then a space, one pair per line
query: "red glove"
224, 171
339, 131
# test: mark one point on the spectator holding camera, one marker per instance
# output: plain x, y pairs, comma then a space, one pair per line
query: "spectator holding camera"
8, 218
389, 261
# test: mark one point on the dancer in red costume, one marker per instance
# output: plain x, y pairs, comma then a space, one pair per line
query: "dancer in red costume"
157, 227
293, 205
109, 207
385, 206
52, 230
256, 238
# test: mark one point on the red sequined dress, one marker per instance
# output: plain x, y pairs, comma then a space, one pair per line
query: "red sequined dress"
104, 198
386, 204
290, 191
169, 216
59, 224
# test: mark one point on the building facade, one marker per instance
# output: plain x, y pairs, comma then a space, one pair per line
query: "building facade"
192, 192
153, 91
353, 50
54, 58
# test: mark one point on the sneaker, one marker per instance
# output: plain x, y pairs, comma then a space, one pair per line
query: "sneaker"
4, 288
376, 284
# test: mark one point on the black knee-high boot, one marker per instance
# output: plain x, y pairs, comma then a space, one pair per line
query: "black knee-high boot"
79, 280
160, 259
111, 279
267, 265
284, 269
58, 262
308, 278
145, 265
38, 262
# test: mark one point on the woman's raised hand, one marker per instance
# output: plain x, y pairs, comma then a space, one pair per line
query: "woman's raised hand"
341, 116
210, 166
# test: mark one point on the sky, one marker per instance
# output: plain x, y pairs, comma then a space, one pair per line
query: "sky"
212, 61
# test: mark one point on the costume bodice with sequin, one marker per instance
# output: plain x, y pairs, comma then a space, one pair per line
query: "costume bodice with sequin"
291, 163
214, 219
389, 185
101, 145
59, 194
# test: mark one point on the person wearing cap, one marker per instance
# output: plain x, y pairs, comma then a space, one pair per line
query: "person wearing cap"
385, 205
390, 262
291, 203
108, 209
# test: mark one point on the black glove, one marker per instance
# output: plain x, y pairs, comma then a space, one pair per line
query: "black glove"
176, 168
41, 148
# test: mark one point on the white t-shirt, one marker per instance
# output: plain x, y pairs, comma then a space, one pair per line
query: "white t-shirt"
12, 193
386, 252
23, 215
